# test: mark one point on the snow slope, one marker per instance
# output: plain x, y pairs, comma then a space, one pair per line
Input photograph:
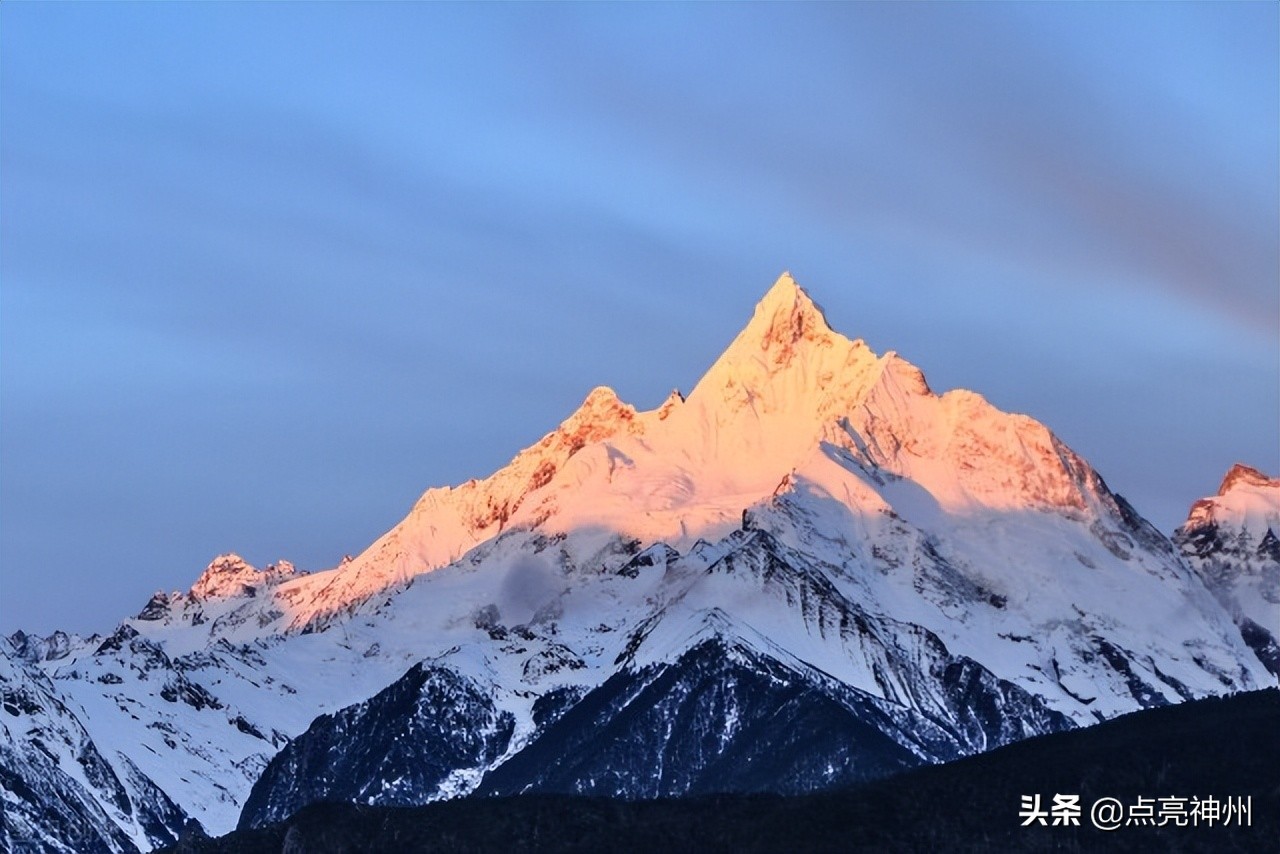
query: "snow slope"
58, 790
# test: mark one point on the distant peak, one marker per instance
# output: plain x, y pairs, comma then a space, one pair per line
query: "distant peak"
228, 562
601, 415
1241, 473
226, 572
601, 394
601, 405
231, 575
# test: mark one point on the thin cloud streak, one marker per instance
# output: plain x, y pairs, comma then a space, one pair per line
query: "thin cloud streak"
976, 146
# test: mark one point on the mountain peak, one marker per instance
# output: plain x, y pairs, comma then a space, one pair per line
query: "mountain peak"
1241, 473
601, 413
785, 288
229, 575
785, 316
1247, 500
785, 323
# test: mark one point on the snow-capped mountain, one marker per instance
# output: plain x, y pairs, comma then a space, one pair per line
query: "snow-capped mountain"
813, 569
1232, 540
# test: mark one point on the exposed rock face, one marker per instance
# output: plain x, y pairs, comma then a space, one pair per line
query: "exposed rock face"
405, 745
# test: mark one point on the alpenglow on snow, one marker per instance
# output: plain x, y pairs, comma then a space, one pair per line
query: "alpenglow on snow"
812, 570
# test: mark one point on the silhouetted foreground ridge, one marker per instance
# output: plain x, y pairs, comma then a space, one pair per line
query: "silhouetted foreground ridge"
1213, 747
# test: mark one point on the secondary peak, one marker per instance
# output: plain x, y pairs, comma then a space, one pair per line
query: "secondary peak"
1241, 473
602, 414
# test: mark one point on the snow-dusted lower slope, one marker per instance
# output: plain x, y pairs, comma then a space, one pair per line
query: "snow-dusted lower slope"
1232, 540
58, 790
922, 569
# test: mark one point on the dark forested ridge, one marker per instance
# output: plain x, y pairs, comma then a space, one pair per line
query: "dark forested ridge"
1215, 747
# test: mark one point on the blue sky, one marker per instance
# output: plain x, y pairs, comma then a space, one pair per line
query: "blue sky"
268, 271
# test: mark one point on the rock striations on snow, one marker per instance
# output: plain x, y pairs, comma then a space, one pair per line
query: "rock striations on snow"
811, 570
